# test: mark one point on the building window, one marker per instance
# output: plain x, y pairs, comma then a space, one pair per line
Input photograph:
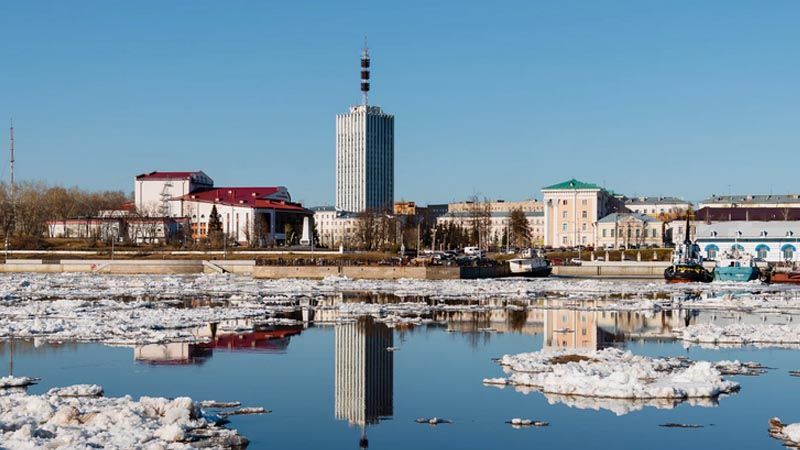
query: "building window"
563, 202
712, 253
583, 227
654, 232
762, 252
564, 226
564, 215
604, 233
613, 233
788, 252
584, 214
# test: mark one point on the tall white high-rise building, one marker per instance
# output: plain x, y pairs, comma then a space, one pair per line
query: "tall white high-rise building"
364, 154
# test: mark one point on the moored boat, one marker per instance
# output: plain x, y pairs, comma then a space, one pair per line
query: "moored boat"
687, 263
783, 274
736, 268
529, 264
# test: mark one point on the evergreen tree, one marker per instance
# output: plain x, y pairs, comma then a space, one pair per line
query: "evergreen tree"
215, 234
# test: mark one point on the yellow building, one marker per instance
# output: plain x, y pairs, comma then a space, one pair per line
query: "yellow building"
571, 210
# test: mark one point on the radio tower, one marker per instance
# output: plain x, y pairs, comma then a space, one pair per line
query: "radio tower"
11, 159
364, 73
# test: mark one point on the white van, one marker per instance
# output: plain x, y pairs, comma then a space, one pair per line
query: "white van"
472, 251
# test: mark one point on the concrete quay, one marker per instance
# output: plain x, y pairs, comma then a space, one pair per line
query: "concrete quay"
615, 269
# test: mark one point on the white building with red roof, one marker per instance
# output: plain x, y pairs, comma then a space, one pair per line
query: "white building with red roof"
258, 215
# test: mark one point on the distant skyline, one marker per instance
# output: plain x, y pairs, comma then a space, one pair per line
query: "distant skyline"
678, 98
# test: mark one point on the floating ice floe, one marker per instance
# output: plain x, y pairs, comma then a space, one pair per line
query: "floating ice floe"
17, 382
57, 421
738, 334
520, 423
789, 433
77, 390
433, 421
613, 374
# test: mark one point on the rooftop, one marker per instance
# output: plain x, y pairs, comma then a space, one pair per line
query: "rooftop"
656, 199
751, 198
167, 175
571, 184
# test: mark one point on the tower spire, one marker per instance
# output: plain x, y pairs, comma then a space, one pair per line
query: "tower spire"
365, 73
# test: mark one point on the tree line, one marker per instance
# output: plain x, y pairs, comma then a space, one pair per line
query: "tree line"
24, 215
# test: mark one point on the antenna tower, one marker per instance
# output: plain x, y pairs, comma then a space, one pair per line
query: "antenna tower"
364, 73
11, 158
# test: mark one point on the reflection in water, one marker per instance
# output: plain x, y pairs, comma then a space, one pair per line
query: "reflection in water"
268, 339
364, 376
564, 328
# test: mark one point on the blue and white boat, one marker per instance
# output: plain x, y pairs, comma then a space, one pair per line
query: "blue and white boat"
736, 267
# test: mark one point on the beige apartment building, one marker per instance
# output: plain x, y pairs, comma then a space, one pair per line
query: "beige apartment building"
571, 210
627, 230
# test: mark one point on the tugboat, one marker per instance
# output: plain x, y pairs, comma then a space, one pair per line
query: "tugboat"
736, 267
529, 263
687, 264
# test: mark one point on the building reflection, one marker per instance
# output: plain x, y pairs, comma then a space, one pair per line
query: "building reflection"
222, 336
364, 373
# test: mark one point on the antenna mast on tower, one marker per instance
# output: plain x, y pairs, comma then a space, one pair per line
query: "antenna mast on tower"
11, 158
364, 73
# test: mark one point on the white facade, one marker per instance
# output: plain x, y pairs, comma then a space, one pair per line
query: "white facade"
774, 241
155, 192
335, 228
364, 159
655, 206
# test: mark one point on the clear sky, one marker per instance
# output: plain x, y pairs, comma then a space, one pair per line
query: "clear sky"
685, 98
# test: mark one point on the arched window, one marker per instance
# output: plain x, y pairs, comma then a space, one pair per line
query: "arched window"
762, 251
788, 251
711, 251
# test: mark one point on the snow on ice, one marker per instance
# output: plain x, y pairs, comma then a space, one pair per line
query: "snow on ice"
613, 374
78, 417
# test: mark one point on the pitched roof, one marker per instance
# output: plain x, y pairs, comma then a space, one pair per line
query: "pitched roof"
231, 195
571, 184
614, 217
750, 199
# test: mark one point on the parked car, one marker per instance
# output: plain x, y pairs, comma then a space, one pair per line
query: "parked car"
576, 261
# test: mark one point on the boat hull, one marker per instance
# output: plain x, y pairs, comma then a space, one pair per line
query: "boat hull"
538, 272
736, 273
687, 273
785, 277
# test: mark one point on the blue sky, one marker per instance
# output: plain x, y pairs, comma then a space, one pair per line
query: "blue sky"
680, 98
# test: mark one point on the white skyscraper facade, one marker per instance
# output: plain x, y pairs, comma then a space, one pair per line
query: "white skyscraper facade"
364, 154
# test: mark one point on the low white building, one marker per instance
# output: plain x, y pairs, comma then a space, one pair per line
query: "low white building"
335, 228
628, 230
250, 215
655, 206
773, 241
139, 230
499, 224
